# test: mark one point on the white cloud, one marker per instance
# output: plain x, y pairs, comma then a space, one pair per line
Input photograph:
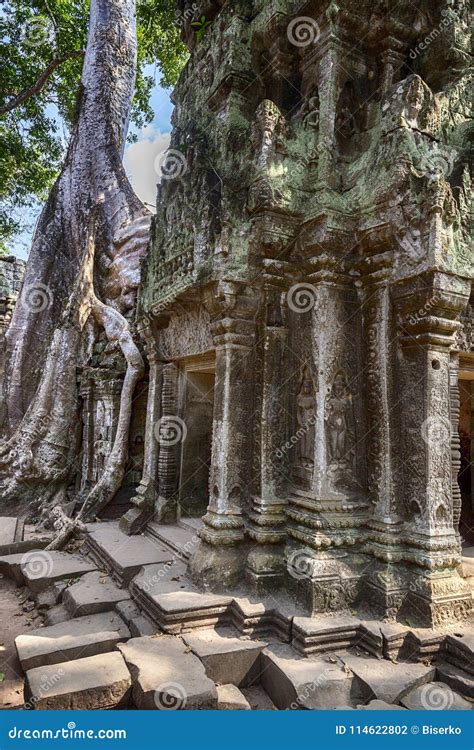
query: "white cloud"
139, 162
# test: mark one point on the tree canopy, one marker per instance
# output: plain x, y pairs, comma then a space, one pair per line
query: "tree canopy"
41, 54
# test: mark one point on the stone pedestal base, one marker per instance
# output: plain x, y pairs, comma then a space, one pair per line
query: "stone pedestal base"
217, 569
265, 569
418, 597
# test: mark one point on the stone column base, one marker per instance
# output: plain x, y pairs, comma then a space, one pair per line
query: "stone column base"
265, 569
217, 568
135, 519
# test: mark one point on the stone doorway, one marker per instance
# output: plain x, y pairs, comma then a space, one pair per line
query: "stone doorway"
197, 408
466, 435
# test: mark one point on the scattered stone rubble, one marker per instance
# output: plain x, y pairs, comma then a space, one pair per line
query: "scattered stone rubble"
226, 653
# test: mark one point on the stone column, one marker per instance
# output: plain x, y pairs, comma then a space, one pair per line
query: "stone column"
329, 90
144, 501
170, 431
428, 307
265, 563
219, 560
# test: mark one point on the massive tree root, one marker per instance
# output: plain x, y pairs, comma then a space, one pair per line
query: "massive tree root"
85, 261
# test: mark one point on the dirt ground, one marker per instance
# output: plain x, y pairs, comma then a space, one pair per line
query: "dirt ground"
14, 620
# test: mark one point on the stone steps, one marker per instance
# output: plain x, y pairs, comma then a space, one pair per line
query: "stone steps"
181, 538
121, 555
94, 593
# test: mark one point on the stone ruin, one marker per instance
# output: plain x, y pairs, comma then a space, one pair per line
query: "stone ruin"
306, 313
301, 305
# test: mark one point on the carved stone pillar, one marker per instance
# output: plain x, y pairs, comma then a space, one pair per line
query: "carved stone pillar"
455, 440
428, 308
144, 501
265, 563
329, 90
218, 562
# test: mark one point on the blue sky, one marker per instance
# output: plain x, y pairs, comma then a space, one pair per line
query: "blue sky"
138, 161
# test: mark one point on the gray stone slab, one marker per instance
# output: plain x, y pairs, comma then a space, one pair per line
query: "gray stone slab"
377, 705
41, 568
456, 678
258, 699
296, 682
95, 592
8, 526
10, 566
141, 625
167, 675
227, 659
387, 681
435, 696
75, 639
126, 554
96, 682
230, 698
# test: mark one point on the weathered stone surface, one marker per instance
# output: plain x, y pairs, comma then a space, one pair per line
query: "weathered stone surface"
96, 682
258, 699
76, 639
312, 683
456, 678
435, 696
386, 681
41, 568
230, 698
226, 657
11, 694
8, 526
141, 625
124, 555
95, 592
10, 566
167, 675
377, 705
56, 614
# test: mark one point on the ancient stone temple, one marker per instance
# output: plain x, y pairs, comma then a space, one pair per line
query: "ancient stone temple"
306, 306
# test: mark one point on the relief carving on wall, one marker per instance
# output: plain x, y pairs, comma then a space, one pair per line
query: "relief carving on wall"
187, 334
340, 434
305, 418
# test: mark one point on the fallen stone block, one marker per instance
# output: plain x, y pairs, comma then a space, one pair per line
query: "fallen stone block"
95, 592
41, 568
456, 678
227, 659
76, 639
230, 698
386, 681
166, 675
296, 682
10, 566
258, 699
96, 682
435, 696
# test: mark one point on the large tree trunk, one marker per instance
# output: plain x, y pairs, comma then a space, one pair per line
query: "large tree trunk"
82, 276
